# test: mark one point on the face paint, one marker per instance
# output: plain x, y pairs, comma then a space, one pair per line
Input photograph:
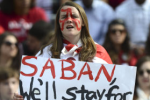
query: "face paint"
76, 21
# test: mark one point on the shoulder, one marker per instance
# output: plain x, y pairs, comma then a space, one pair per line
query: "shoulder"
46, 52
125, 5
36, 9
100, 7
102, 53
101, 4
100, 50
38, 12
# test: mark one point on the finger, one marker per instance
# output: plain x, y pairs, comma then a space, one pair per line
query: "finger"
17, 97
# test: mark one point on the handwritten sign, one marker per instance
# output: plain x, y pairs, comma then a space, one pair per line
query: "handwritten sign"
56, 79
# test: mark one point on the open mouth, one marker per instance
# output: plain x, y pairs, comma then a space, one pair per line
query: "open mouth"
69, 27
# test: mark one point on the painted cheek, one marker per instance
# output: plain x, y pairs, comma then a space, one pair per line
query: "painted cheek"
77, 24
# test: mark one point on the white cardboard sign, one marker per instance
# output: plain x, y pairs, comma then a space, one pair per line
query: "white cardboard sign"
56, 79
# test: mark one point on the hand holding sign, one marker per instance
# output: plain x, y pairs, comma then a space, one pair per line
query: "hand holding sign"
17, 97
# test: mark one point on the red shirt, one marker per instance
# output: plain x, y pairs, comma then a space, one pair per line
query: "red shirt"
20, 24
102, 53
1, 30
123, 59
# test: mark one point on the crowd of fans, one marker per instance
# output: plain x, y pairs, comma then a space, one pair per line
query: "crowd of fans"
122, 27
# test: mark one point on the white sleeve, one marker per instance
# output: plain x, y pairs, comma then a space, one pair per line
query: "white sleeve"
38, 54
122, 10
46, 52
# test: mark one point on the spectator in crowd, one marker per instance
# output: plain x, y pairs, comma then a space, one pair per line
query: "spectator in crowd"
9, 83
39, 34
117, 44
142, 85
136, 14
99, 15
72, 40
9, 51
147, 47
17, 16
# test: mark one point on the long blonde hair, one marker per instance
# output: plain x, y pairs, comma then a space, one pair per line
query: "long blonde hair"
88, 50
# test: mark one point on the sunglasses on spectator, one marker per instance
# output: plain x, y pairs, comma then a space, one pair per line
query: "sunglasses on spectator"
8, 43
141, 72
114, 31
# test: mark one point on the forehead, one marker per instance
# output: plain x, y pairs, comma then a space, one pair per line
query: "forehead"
10, 38
145, 65
68, 9
117, 26
11, 79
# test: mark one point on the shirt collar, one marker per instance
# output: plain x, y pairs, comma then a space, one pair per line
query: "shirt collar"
79, 43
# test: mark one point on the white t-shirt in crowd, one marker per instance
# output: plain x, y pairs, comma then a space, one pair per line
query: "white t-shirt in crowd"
137, 19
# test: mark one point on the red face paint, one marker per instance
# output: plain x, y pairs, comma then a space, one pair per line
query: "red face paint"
76, 21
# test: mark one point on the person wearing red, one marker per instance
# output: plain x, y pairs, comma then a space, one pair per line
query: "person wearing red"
17, 16
72, 40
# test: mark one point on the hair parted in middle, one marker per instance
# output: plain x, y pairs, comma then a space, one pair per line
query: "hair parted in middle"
138, 65
17, 59
108, 44
88, 49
